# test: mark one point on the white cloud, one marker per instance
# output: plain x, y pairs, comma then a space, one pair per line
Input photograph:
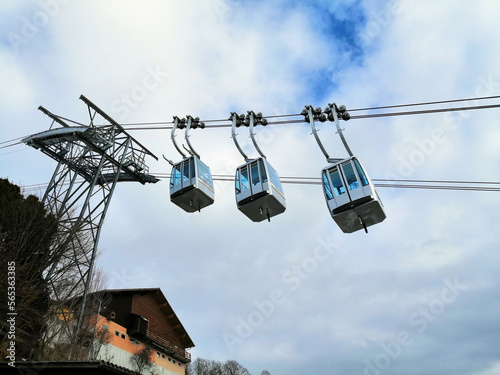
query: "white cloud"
216, 57
494, 369
18, 90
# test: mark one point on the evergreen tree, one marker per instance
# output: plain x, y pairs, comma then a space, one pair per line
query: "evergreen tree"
26, 233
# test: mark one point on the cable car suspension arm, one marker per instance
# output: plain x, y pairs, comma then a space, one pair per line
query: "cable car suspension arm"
333, 111
192, 123
237, 120
256, 118
178, 123
311, 114
168, 160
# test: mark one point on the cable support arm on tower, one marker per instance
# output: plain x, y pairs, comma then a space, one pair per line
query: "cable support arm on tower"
53, 117
90, 104
114, 124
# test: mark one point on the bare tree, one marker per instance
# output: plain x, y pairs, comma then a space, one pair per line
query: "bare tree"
203, 366
60, 341
142, 359
98, 301
232, 367
46, 276
209, 367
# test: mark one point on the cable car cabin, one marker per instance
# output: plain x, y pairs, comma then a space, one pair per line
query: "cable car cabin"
191, 184
350, 196
259, 194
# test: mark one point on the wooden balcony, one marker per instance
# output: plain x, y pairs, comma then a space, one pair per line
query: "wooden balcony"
172, 349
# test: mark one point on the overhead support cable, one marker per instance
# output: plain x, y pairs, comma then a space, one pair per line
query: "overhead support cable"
385, 183
224, 123
494, 186
12, 140
354, 117
424, 103
13, 144
427, 111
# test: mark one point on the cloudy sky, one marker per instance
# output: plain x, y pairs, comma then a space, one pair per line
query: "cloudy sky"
418, 294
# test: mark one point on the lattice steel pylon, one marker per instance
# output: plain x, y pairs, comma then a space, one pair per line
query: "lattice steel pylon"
92, 159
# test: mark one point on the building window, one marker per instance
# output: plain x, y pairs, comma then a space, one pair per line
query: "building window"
173, 361
180, 364
117, 333
169, 359
158, 354
131, 339
163, 356
137, 343
123, 336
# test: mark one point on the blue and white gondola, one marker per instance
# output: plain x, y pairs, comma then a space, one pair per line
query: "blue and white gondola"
191, 183
350, 195
259, 193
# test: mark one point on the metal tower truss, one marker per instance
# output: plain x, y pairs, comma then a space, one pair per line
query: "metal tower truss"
92, 159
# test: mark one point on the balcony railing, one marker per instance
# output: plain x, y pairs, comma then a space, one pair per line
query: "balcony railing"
168, 346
